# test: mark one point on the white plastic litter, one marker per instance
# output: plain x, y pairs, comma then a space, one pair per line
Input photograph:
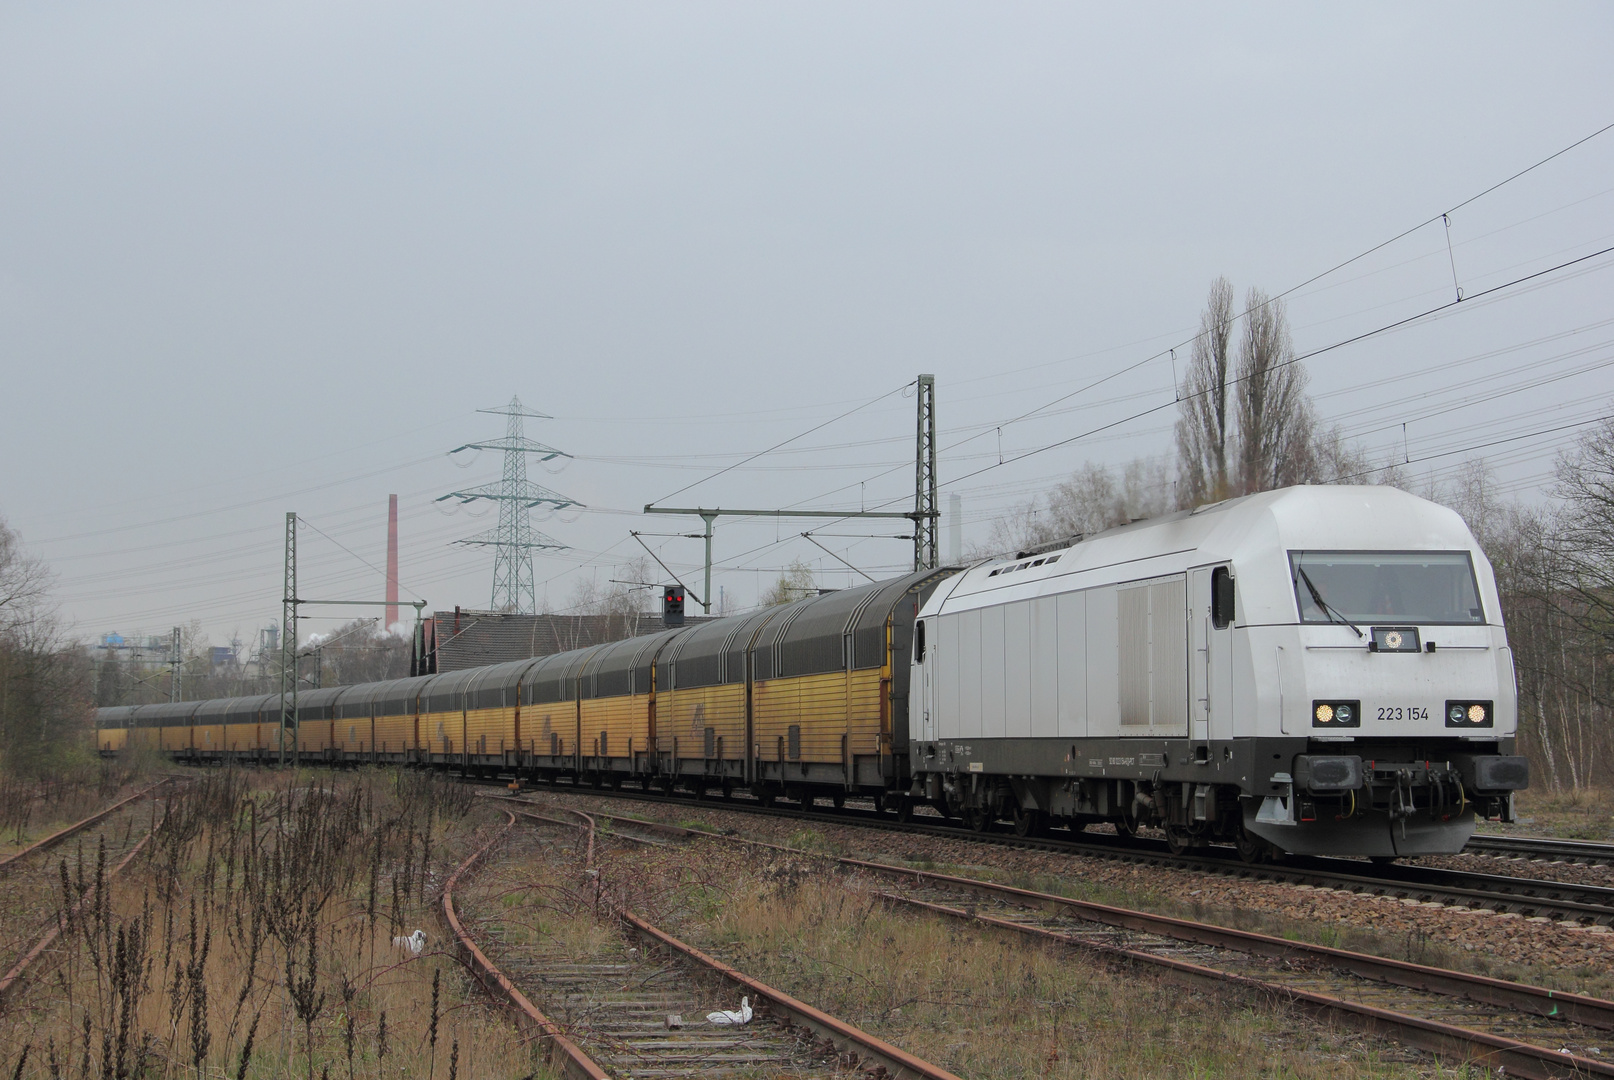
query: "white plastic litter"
415, 942
726, 1017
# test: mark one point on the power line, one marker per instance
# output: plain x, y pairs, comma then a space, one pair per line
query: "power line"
786, 442
1354, 339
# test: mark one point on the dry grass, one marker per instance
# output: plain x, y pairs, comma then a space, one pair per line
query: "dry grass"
981, 1002
255, 940
1578, 814
31, 809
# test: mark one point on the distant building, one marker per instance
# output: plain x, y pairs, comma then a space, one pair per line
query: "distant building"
462, 638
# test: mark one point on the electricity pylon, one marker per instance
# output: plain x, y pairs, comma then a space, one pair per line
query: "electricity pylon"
514, 539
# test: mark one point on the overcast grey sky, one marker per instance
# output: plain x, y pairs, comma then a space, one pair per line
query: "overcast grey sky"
259, 258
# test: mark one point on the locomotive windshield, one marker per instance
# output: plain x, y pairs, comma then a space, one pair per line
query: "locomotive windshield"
1385, 586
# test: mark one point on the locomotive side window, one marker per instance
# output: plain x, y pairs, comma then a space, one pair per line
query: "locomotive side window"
1221, 598
1429, 587
919, 641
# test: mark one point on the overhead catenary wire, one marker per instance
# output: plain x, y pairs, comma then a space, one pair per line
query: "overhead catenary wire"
786, 442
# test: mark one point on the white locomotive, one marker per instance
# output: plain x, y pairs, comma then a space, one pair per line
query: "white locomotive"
1319, 670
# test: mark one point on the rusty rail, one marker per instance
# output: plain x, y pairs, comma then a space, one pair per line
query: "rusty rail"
62, 834
20, 968
573, 1062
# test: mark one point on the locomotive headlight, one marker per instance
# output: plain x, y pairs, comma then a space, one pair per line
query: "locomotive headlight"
1335, 714
1469, 714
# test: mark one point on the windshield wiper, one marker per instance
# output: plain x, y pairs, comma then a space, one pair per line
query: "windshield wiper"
1333, 616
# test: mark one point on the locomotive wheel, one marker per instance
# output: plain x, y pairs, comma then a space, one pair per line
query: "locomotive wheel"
1178, 840
977, 819
1251, 848
1126, 827
1382, 860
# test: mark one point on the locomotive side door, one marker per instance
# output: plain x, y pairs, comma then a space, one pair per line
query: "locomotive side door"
923, 662
1210, 654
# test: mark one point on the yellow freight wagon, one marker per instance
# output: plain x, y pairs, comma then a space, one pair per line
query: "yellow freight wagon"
702, 700
207, 729
245, 720
492, 699
173, 722
442, 718
616, 706
395, 707
549, 710
316, 710
112, 728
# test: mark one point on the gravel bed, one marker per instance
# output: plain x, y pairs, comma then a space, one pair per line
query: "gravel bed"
1541, 869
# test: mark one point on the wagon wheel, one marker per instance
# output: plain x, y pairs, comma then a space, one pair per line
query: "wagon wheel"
1027, 822
1178, 839
904, 809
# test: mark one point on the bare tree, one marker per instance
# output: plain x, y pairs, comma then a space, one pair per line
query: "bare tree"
24, 581
1275, 419
1092, 500
44, 684
796, 582
1205, 423
1586, 486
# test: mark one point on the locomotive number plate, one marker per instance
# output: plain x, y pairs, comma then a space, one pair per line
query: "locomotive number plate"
1396, 714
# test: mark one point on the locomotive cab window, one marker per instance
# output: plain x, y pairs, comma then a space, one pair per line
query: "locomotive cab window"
919, 641
1427, 587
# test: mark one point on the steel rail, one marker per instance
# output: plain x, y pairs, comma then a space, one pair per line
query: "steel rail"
574, 1063
1448, 1040
1548, 849
62, 834
1525, 896
869, 1050
20, 968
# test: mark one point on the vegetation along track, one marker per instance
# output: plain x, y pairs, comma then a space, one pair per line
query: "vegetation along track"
638, 1010
80, 892
1530, 897
1527, 1030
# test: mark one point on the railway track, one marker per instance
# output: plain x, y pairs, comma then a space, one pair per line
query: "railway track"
1529, 897
1543, 849
630, 1011
48, 842
24, 967
1468, 1019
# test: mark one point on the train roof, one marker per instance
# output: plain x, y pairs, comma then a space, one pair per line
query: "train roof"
1255, 533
